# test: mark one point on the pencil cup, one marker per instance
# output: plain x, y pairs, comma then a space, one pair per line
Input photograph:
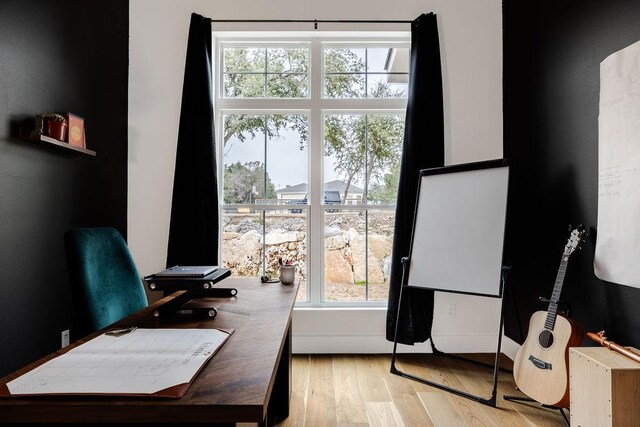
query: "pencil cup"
287, 274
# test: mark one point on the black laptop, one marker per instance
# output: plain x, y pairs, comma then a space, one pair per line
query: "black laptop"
187, 271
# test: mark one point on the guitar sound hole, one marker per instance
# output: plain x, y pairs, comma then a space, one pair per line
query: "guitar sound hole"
545, 338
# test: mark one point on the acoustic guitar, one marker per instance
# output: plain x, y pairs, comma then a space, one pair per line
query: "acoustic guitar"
541, 367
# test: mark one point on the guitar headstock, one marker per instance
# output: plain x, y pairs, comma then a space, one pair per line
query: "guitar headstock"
578, 236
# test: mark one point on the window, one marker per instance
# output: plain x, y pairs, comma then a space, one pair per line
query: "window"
266, 72
352, 72
310, 136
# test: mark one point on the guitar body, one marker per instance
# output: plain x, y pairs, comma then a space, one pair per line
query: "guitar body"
541, 367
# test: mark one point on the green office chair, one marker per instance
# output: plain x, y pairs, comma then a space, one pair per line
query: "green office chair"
105, 284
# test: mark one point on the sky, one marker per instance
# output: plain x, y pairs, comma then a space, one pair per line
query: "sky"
286, 163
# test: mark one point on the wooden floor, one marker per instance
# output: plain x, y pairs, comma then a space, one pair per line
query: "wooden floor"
358, 390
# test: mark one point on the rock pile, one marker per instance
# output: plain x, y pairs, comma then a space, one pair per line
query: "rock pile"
346, 254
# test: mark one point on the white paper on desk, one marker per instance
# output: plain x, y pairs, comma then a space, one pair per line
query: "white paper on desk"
618, 240
144, 361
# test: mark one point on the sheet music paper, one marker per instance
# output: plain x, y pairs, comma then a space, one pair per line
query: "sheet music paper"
144, 361
618, 240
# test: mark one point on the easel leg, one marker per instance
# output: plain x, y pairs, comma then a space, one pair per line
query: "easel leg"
394, 370
491, 401
506, 271
522, 400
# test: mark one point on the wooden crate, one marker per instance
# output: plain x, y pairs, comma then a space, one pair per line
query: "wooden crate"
605, 388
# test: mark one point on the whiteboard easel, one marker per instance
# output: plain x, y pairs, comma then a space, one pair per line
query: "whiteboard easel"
457, 243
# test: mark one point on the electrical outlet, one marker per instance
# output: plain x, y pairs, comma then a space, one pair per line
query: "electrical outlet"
64, 338
451, 311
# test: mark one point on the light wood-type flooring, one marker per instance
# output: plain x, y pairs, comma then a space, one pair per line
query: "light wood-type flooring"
359, 390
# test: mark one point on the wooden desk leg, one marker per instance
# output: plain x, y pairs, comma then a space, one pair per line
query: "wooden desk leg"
278, 408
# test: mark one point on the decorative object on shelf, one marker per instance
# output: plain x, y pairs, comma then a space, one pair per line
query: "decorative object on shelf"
56, 126
76, 131
38, 129
51, 129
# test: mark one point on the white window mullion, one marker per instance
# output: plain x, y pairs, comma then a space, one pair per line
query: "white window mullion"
315, 255
217, 127
365, 201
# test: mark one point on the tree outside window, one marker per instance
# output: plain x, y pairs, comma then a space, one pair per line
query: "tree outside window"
266, 157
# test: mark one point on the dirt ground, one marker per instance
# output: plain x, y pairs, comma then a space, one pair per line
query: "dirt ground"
344, 292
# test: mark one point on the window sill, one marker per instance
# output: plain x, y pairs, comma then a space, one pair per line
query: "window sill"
340, 308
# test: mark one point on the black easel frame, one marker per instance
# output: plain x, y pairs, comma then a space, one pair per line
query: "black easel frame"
522, 400
504, 273
490, 401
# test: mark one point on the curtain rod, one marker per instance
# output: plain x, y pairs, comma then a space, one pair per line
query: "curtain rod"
315, 22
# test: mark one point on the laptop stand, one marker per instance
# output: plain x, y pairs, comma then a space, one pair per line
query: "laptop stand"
184, 305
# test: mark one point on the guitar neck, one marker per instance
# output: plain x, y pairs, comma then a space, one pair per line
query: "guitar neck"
552, 311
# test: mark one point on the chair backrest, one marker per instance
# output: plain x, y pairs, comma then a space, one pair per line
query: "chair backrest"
105, 284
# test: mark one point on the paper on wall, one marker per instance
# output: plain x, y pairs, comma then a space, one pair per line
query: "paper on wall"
617, 257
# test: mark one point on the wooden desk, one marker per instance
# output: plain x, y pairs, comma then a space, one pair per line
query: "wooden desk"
248, 380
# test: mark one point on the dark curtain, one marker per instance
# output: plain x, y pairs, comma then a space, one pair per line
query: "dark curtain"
193, 232
423, 148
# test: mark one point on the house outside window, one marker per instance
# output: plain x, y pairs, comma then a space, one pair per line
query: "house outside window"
309, 142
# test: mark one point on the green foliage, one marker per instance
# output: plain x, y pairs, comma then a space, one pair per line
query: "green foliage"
245, 182
338, 85
245, 73
246, 77
55, 117
282, 73
243, 126
385, 193
245, 81
365, 147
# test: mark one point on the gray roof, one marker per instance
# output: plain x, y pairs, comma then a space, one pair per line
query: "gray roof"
336, 185
339, 185
298, 188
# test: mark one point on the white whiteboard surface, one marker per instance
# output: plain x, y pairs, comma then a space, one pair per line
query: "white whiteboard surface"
459, 231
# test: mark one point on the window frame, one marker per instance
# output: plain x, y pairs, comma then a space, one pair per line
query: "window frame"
366, 73
316, 107
266, 44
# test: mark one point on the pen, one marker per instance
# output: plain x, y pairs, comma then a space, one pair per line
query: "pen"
121, 331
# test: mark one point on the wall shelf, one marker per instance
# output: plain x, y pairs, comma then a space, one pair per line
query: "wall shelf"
51, 141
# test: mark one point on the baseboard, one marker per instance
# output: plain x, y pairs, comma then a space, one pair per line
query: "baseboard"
352, 344
509, 347
350, 330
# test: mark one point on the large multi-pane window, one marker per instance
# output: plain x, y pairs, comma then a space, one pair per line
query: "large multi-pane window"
310, 138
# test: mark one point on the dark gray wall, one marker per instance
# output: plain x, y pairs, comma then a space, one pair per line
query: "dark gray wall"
552, 54
56, 56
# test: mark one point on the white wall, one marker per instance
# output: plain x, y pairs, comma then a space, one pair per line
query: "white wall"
471, 49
